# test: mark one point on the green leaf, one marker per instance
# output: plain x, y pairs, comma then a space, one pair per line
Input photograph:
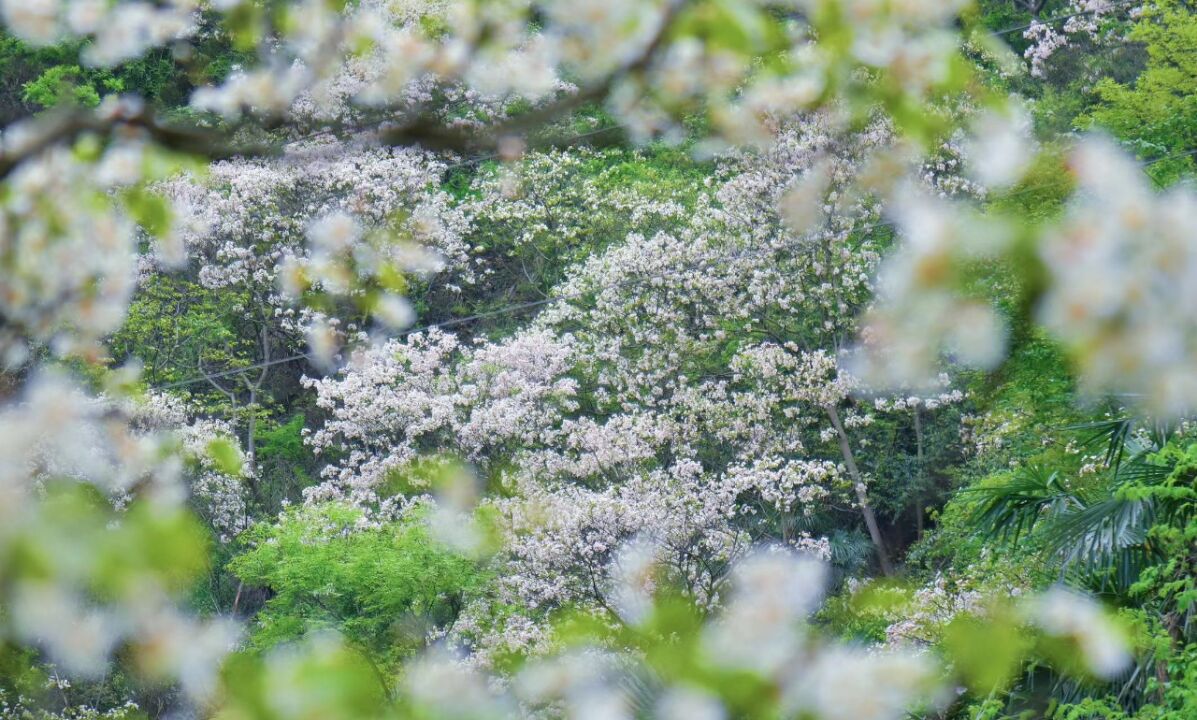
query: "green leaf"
226, 456
151, 211
986, 652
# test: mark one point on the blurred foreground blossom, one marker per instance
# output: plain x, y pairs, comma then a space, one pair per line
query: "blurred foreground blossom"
98, 544
1123, 268
1119, 271
633, 572
1071, 616
922, 311
847, 683
687, 703
1001, 146
93, 508
761, 628
440, 684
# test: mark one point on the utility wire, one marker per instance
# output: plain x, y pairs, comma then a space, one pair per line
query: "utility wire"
564, 143
706, 263
515, 308
1058, 18
448, 323
530, 305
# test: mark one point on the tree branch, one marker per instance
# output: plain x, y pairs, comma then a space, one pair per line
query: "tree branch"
32, 137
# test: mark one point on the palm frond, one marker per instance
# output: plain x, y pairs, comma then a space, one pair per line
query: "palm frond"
1116, 577
1106, 535
1138, 470
641, 689
850, 550
1116, 435
1012, 510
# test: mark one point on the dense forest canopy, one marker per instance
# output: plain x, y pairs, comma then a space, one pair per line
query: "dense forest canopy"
684, 359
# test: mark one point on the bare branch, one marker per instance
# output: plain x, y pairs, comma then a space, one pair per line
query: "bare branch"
32, 137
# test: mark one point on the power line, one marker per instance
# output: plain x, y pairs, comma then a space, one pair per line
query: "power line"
307, 356
552, 299
532, 304
508, 309
521, 307
1058, 18
226, 373
564, 143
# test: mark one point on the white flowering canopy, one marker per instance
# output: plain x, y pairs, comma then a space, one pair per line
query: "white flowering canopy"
311, 176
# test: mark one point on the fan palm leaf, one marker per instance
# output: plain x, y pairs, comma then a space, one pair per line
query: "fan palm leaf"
1104, 537
1013, 509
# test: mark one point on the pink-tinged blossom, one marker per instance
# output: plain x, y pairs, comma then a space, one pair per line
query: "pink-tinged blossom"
595, 414
1086, 19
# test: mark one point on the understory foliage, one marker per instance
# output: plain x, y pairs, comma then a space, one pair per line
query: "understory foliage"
691, 359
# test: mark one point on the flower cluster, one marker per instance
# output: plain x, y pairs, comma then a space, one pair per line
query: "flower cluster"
760, 632
246, 216
1086, 18
68, 267
969, 592
405, 398
56, 439
117, 31
219, 495
327, 219
600, 416
921, 312
1121, 265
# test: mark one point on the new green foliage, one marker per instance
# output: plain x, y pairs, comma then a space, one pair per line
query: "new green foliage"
382, 585
1156, 113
